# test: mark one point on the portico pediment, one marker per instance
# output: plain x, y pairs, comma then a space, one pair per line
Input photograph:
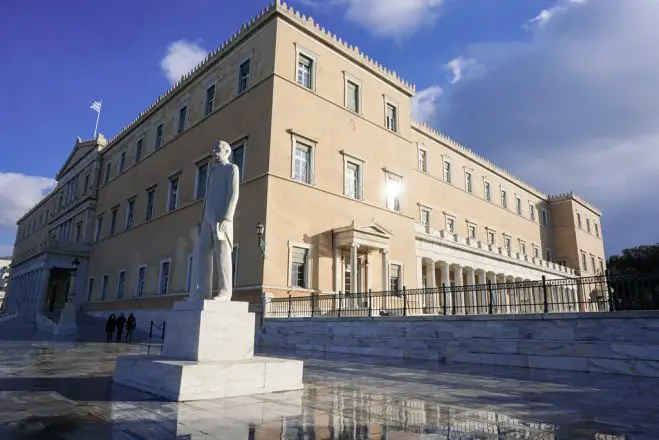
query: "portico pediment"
371, 235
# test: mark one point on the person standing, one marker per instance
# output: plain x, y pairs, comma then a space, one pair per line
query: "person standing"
131, 323
121, 323
109, 327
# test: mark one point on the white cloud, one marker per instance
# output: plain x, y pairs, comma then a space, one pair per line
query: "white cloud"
18, 194
573, 109
386, 18
181, 57
424, 104
545, 15
460, 67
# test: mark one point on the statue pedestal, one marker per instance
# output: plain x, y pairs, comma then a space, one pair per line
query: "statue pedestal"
208, 354
67, 321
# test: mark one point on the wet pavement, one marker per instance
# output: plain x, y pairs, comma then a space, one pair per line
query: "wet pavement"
64, 391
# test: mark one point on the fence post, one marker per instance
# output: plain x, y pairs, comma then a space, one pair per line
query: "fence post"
370, 305
404, 302
262, 305
340, 304
290, 305
544, 294
608, 291
444, 308
150, 331
164, 324
490, 298
313, 300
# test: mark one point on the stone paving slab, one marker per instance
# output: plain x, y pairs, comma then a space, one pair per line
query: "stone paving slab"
64, 391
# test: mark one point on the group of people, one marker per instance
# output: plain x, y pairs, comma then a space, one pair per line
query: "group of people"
118, 324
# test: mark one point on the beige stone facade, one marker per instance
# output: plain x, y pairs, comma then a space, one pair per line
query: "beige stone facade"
353, 193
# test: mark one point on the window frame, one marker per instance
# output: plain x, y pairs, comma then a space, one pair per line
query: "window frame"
450, 218
503, 192
507, 242
108, 171
544, 217
401, 180
98, 227
487, 190
388, 102
297, 139
197, 183
241, 143
90, 288
301, 51
150, 205
421, 148
130, 202
160, 276
114, 212
532, 212
471, 225
212, 85
447, 173
536, 252
549, 253
246, 59
174, 178
182, 125
428, 210
401, 278
158, 139
469, 180
139, 293
579, 220
522, 246
122, 162
123, 286
359, 163
308, 264
490, 233
518, 205
347, 77
139, 148
105, 282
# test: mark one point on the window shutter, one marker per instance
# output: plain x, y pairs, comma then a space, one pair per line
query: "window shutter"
299, 255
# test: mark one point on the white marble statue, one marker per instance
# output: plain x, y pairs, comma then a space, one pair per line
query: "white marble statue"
215, 231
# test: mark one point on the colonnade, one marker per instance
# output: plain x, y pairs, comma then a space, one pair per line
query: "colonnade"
27, 291
451, 288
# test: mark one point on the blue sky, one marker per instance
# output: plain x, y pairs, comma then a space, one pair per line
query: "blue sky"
562, 93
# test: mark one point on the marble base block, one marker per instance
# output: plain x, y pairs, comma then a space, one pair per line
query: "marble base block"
208, 353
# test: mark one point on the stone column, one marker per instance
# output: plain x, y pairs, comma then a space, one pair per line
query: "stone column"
338, 268
353, 268
470, 292
459, 290
481, 295
431, 285
446, 281
385, 270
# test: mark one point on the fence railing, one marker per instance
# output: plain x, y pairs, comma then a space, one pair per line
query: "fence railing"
154, 340
602, 293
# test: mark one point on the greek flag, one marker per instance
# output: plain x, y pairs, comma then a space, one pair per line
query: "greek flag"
96, 105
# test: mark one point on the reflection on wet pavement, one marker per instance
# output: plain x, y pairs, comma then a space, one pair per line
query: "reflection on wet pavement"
58, 391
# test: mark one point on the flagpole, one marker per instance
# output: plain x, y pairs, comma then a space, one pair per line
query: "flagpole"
98, 116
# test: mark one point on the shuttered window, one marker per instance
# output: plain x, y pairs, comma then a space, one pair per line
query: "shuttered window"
299, 267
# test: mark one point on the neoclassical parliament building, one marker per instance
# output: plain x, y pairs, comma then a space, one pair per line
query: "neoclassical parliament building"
352, 193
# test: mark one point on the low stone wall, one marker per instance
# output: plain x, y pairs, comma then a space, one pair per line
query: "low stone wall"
616, 343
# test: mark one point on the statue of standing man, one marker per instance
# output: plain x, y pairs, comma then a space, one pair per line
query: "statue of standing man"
215, 231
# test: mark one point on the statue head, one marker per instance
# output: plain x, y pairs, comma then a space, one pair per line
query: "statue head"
221, 151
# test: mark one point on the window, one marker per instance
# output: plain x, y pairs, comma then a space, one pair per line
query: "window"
210, 100
79, 232
532, 212
601, 266
201, 182
163, 278
108, 170
113, 220
394, 192
562, 263
122, 162
447, 171
238, 157
487, 191
584, 264
522, 247
353, 96
468, 182
121, 281
425, 216
138, 150
130, 213
491, 237
507, 242
188, 273
587, 225
518, 205
536, 252
423, 159
157, 143
172, 196
545, 219
391, 117
592, 263
104, 287
299, 257
504, 199
86, 188
597, 230
471, 230
182, 118
90, 289
302, 162
99, 227
305, 70
141, 281
395, 277
244, 75
450, 225
578, 220
150, 200
548, 255
352, 186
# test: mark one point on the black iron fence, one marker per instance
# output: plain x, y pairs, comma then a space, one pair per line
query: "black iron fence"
602, 293
156, 336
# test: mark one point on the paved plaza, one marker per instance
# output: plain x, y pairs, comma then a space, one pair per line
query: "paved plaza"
60, 390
